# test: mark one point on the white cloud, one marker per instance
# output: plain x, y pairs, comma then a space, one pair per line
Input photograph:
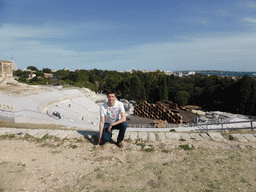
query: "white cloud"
249, 20
251, 4
221, 51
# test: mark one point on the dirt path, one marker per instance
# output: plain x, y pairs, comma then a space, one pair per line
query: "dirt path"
80, 166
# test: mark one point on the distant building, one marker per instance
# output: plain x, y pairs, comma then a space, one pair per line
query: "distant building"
6, 69
48, 75
66, 69
191, 73
125, 71
178, 74
31, 75
168, 72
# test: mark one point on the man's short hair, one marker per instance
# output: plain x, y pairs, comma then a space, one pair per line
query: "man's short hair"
111, 92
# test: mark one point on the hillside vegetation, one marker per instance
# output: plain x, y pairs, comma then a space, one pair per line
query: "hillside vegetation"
209, 92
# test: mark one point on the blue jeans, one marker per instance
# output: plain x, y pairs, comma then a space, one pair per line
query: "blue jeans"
107, 136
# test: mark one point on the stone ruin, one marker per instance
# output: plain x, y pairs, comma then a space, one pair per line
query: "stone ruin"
158, 111
5, 69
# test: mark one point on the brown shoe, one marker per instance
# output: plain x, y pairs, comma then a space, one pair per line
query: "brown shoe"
119, 144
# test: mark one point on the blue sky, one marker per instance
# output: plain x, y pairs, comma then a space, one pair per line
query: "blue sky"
125, 34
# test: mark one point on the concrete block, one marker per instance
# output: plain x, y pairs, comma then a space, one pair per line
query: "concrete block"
75, 135
63, 134
185, 136
54, 133
142, 136
216, 136
127, 135
32, 132
205, 136
115, 135
173, 136
152, 137
249, 137
160, 137
2, 132
237, 137
133, 136
11, 131
196, 136
41, 133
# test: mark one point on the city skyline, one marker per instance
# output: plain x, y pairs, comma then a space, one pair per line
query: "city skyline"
121, 35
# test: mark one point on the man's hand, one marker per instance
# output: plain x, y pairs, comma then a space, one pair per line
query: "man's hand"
100, 141
109, 129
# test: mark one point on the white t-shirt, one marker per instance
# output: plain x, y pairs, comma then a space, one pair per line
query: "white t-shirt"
112, 114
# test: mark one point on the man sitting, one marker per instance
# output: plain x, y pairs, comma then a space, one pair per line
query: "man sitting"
110, 113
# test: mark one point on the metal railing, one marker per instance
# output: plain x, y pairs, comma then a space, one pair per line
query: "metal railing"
152, 126
26, 116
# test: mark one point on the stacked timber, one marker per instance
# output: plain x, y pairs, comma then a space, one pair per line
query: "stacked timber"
157, 112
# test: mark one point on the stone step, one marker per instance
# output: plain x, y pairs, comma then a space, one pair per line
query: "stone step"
161, 137
133, 136
41, 133
173, 136
249, 137
63, 134
237, 137
196, 136
205, 136
142, 136
152, 137
185, 136
216, 137
75, 135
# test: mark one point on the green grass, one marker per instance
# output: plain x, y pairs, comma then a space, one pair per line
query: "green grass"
142, 145
148, 150
186, 147
73, 146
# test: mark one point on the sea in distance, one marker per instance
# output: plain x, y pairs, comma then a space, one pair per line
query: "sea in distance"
224, 73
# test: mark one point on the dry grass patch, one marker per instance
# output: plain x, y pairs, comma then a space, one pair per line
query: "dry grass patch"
10, 174
196, 170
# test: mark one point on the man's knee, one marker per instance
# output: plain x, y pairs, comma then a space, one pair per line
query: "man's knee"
124, 125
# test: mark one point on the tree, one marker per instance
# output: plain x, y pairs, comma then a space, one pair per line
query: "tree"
39, 73
34, 79
47, 70
22, 79
33, 68
135, 88
182, 98
163, 88
112, 82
